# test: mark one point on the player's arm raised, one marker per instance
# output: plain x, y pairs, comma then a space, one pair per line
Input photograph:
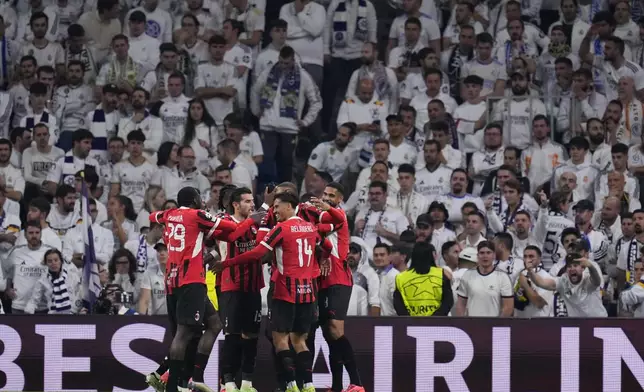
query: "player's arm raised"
334, 216
272, 239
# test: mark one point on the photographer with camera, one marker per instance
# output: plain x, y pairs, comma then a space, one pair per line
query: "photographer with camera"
113, 301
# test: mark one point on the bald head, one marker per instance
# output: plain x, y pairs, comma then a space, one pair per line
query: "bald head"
365, 90
611, 208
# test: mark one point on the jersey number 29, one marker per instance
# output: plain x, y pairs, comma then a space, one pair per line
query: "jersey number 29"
177, 233
304, 249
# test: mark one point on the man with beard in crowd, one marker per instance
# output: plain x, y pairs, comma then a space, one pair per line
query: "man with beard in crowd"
580, 292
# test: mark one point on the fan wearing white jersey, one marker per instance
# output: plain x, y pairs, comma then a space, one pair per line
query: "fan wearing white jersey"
522, 234
505, 261
411, 203
433, 180
132, 177
542, 156
473, 228
26, 266
458, 196
44, 51
517, 112
143, 120
488, 158
62, 216
73, 247
551, 222
333, 157
470, 116
579, 291
599, 244
188, 35
633, 297
586, 173
39, 208
152, 296
530, 299
630, 253
485, 291
619, 155
171, 61
382, 261
433, 81
515, 201
611, 66
73, 102
380, 154
487, 67
173, 109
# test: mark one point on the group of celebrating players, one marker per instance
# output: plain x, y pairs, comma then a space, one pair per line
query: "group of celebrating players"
310, 285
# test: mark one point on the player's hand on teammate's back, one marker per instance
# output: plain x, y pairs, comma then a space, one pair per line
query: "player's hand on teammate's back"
258, 216
319, 204
325, 267
217, 267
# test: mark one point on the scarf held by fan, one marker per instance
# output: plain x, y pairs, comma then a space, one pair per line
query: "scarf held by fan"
289, 83
341, 24
61, 303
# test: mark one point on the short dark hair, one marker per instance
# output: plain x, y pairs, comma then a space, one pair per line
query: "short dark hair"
75, 30
18, 132
38, 15
64, 190
238, 193
579, 142
41, 204
81, 134
324, 176
533, 248
287, 52
407, 168
619, 148
378, 184
337, 186
286, 197
382, 245
33, 223
486, 244
447, 246
505, 239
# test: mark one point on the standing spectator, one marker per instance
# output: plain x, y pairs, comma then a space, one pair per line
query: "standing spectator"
366, 111
243, 171
173, 110
200, 132
216, 82
173, 177
152, 300
62, 216
358, 254
333, 157
191, 34
269, 56
377, 223
20, 91
10, 176
543, 156
433, 179
580, 167
530, 299
384, 78
121, 221
240, 56
73, 248
122, 69
73, 102
101, 25
406, 199
474, 230
349, 24
251, 14
38, 210
157, 22
38, 112
44, 51
430, 34
152, 201
458, 196
143, 248
281, 115
517, 111
142, 120
305, 20
157, 81
382, 262
39, 160
484, 291
428, 297
487, 67
78, 49
470, 115
579, 291
26, 269
103, 123
59, 286
143, 48
75, 160
488, 158
131, 177
433, 79
249, 142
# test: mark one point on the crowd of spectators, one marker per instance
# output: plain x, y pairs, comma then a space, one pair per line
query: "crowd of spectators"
493, 136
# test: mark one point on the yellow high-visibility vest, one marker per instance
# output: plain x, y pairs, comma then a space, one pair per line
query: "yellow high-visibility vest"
422, 294
211, 278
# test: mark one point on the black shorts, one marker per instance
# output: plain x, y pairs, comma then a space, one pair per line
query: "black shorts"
240, 312
189, 305
287, 317
334, 302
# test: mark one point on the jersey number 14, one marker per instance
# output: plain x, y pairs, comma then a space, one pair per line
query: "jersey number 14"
304, 250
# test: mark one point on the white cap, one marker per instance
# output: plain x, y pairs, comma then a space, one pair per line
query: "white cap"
469, 254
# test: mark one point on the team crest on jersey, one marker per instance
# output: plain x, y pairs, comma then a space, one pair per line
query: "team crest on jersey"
314, 156
253, 230
246, 59
207, 215
66, 90
585, 178
197, 316
31, 52
153, 29
440, 180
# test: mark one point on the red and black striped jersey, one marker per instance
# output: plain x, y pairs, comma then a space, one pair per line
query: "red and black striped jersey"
339, 236
293, 241
184, 237
245, 277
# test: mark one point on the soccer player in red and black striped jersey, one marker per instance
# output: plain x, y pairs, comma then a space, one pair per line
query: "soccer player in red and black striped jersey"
293, 308
240, 301
187, 302
335, 290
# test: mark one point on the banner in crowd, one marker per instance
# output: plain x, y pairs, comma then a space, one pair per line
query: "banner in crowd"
105, 353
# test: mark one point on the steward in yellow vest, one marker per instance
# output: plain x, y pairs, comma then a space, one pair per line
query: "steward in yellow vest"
424, 289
